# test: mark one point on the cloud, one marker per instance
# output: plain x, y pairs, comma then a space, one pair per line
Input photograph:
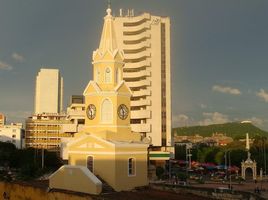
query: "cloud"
17, 57
226, 90
180, 120
213, 118
5, 66
257, 121
203, 106
263, 95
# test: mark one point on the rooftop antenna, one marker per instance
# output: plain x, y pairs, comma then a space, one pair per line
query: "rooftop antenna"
109, 3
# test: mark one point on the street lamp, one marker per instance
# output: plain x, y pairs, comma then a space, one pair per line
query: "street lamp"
230, 174
264, 155
188, 155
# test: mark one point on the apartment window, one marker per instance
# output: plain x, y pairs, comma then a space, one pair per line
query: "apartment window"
107, 111
131, 167
90, 163
107, 75
13, 136
14, 130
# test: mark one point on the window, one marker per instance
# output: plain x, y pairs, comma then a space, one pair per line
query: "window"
107, 75
90, 163
14, 130
13, 136
131, 167
107, 111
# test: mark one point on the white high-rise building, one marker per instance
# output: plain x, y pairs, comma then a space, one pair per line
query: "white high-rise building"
48, 91
145, 40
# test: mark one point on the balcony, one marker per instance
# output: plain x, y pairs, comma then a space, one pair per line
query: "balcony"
141, 127
74, 114
138, 84
138, 46
137, 65
139, 74
135, 21
138, 37
142, 102
140, 114
141, 93
136, 28
133, 56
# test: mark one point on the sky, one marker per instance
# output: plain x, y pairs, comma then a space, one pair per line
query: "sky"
219, 54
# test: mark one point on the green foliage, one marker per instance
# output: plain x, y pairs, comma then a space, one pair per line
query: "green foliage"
237, 155
27, 162
6, 151
181, 176
207, 154
235, 130
219, 157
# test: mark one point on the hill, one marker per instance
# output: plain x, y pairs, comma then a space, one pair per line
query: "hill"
236, 130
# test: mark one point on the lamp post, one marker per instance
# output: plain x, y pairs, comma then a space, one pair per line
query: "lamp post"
230, 174
225, 164
188, 155
264, 155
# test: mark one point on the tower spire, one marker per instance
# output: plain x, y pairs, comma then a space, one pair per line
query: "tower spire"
108, 40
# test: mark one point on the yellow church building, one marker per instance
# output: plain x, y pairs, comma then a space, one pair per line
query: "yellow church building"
106, 148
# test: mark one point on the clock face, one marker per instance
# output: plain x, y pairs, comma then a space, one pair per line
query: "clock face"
91, 111
122, 111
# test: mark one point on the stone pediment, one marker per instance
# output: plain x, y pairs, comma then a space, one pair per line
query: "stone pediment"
123, 88
92, 87
88, 141
107, 55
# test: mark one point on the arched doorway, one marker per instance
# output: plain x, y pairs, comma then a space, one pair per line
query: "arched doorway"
249, 166
249, 173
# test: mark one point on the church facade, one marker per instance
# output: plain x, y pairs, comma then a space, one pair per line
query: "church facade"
107, 146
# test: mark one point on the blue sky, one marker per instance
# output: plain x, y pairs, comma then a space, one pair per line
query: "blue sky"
219, 54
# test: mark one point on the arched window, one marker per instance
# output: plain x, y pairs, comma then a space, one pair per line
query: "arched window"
131, 167
107, 111
107, 75
90, 163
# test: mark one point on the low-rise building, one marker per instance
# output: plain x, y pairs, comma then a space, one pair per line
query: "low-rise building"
76, 111
217, 139
13, 133
45, 131
2, 120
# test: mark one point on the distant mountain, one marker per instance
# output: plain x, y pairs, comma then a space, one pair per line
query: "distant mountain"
236, 130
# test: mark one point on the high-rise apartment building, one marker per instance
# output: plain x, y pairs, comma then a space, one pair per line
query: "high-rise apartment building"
48, 91
145, 40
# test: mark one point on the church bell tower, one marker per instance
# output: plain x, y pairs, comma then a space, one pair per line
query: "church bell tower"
107, 98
